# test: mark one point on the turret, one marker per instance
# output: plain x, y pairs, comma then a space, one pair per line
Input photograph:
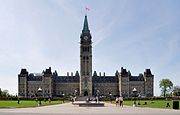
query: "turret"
47, 82
116, 73
77, 74
95, 74
23, 83
149, 83
48, 71
124, 82
123, 72
54, 73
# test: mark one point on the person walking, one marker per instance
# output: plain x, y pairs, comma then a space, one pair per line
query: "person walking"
117, 101
121, 101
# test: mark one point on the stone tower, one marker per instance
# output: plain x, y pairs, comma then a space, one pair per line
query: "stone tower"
47, 83
85, 61
124, 83
22, 83
149, 83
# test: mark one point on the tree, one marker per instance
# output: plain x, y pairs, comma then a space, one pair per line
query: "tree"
5, 93
166, 85
0, 92
176, 90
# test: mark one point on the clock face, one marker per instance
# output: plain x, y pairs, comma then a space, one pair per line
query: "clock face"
85, 38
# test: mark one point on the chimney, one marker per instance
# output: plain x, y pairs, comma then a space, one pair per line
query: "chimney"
99, 73
67, 73
104, 74
71, 73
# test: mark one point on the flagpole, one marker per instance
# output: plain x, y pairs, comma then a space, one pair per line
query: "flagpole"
87, 9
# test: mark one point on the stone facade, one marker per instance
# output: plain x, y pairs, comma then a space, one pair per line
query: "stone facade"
85, 83
86, 60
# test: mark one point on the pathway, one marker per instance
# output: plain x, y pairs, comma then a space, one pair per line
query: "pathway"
69, 109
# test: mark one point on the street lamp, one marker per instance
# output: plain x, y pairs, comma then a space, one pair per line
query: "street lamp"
139, 97
63, 97
110, 97
134, 95
18, 99
75, 93
97, 96
39, 94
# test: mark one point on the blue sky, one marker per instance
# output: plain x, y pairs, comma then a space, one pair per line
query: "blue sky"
134, 34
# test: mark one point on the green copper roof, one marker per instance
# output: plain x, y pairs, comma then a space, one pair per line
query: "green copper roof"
85, 27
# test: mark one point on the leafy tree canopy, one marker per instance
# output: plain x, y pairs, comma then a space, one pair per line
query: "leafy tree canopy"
176, 90
166, 85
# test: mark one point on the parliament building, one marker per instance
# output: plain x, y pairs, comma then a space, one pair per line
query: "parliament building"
85, 82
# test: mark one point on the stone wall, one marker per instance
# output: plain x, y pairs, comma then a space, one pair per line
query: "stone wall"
106, 88
122, 84
67, 89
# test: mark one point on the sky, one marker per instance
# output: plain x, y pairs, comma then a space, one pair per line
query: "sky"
134, 34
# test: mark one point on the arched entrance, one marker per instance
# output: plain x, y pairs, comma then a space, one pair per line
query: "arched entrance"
85, 93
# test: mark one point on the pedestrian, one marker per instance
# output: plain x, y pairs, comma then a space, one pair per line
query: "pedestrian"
36, 100
72, 100
49, 100
18, 101
121, 101
117, 101
167, 103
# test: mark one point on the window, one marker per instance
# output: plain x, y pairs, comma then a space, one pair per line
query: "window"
84, 57
85, 81
87, 73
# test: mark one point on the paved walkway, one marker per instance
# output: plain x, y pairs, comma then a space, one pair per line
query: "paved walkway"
68, 108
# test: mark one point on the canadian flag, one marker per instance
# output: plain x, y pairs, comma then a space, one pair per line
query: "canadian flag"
87, 9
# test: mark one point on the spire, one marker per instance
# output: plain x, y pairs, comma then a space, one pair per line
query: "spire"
85, 26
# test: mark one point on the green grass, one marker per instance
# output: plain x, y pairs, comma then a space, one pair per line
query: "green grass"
151, 104
24, 103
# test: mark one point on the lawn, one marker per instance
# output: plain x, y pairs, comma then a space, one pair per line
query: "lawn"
24, 103
150, 103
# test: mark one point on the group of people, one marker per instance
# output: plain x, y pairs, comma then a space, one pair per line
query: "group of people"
119, 101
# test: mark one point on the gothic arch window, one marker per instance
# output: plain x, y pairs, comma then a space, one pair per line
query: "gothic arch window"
85, 81
84, 57
84, 49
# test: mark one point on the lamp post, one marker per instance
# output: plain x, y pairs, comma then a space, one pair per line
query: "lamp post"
63, 97
97, 96
39, 94
139, 97
75, 93
18, 99
134, 95
110, 97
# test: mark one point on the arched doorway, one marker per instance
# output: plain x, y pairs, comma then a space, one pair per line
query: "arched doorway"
85, 93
